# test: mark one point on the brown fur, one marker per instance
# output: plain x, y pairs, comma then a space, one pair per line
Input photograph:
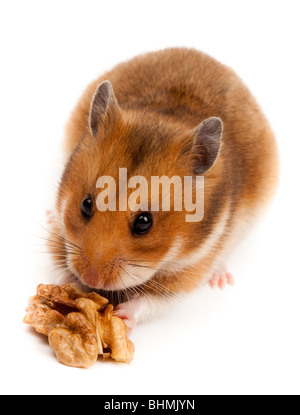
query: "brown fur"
163, 96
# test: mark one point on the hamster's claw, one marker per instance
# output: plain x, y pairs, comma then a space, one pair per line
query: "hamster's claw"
221, 278
123, 311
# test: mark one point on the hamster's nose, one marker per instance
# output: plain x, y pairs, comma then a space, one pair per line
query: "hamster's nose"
92, 278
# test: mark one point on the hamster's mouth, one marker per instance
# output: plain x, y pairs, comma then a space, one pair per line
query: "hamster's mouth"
115, 297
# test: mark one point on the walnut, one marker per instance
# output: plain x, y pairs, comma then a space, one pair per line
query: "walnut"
41, 316
122, 348
80, 326
74, 342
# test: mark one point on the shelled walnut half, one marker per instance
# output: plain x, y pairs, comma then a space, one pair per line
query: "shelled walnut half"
80, 326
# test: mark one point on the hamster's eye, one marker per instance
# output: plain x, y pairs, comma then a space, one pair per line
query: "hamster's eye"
142, 224
87, 208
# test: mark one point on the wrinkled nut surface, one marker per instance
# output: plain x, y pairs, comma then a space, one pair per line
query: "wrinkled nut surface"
80, 325
122, 348
55, 295
74, 342
42, 317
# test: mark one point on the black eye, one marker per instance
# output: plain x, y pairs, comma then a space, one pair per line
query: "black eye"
142, 224
87, 208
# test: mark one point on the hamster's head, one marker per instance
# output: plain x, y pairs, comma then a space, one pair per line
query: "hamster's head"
116, 226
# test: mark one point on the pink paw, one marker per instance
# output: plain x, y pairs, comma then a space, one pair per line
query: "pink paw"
220, 278
123, 311
50, 217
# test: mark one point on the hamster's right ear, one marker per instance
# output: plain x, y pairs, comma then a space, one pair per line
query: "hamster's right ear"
104, 108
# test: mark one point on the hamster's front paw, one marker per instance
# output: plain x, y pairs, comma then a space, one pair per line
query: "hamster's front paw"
124, 312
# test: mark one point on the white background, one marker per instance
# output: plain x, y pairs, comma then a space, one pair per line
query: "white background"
244, 340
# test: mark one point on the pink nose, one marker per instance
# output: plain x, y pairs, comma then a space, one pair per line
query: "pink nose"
92, 279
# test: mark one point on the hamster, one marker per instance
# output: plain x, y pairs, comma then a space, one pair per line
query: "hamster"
175, 112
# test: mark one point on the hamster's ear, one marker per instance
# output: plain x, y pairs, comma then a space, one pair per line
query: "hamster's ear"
207, 143
104, 107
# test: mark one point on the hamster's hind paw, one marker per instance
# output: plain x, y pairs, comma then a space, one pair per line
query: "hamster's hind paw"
50, 217
220, 278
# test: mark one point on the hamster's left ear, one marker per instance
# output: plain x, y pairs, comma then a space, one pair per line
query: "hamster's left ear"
104, 108
207, 144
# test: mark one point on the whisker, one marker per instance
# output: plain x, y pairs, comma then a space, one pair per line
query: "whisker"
154, 286
61, 238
